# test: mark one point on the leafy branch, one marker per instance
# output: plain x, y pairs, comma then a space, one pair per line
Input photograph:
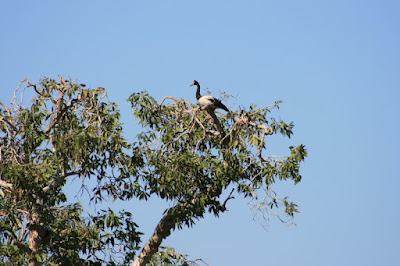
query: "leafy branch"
191, 156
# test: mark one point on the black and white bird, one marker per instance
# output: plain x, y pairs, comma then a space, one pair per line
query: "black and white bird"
207, 101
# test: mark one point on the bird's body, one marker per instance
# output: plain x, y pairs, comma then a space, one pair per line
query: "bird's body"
207, 101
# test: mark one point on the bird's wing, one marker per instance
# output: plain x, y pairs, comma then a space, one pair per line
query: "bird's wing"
208, 100
211, 99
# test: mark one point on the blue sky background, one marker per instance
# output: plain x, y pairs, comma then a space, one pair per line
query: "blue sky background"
335, 64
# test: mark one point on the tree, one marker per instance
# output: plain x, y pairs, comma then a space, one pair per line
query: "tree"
189, 162
67, 131
184, 155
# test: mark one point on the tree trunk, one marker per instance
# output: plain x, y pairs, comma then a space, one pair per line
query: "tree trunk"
164, 227
162, 231
34, 245
36, 236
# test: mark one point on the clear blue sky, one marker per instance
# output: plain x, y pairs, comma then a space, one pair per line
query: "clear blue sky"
335, 64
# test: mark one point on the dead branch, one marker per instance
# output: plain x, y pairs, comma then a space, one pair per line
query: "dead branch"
14, 98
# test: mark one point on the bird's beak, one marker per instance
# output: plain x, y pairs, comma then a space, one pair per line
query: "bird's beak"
191, 84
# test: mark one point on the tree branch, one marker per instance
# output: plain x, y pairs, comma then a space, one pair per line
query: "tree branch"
58, 181
194, 262
5, 184
162, 231
168, 221
267, 130
5, 107
56, 115
8, 122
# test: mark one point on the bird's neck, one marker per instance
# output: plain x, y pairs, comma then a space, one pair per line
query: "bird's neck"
198, 95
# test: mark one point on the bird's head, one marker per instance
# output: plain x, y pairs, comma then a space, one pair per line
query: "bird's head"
194, 83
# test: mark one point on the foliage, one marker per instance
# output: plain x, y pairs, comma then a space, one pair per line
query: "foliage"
184, 155
67, 131
187, 160
168, 256
191, 157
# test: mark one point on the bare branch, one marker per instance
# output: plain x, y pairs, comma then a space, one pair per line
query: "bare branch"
261, 209
5, 184
5, 107
59, 180
176, 101
168, 97
228, 198
267, 130
194, 262
105, 92
269, 107
14, 98
34, 87
57, 113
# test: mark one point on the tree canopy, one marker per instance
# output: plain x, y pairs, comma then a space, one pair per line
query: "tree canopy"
183, 154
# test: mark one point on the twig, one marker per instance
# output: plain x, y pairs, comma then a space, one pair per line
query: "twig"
194, 261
